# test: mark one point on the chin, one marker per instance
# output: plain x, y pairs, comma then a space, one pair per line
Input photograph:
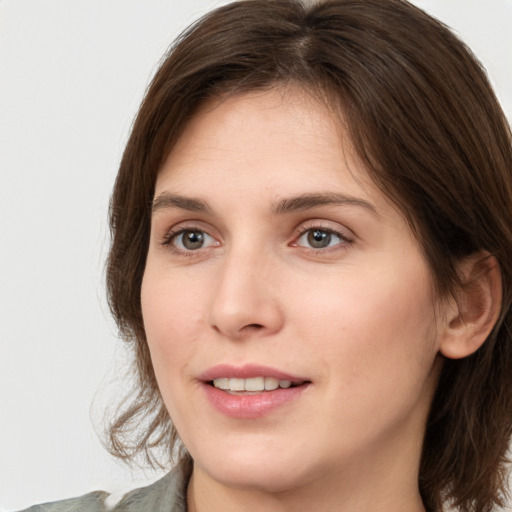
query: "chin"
257, 469
268, 478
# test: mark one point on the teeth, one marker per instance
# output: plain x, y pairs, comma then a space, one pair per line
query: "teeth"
252, 384
236, 385
271, 383
221, 383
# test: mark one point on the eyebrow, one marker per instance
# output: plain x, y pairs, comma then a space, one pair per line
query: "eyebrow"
168, 200
287, 205
308, 201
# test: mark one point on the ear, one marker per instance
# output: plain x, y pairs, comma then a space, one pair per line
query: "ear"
470, 319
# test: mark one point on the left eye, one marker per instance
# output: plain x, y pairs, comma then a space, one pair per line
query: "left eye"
319, 238
192, 240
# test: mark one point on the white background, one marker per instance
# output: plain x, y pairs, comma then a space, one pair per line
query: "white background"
72, 73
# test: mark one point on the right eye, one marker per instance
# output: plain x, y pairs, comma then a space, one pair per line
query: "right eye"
187, 240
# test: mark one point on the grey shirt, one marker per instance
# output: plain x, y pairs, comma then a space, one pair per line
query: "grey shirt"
169, 494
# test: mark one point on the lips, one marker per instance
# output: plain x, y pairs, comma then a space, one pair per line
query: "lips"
250, 391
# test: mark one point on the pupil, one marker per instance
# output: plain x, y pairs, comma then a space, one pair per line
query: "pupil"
193, 239
319, 239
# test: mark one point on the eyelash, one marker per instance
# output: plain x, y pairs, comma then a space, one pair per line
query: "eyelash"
345, 240
174, 233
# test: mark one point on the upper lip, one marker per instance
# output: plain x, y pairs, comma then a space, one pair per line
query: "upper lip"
247, 371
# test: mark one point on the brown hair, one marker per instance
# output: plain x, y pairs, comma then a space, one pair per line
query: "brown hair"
422, 115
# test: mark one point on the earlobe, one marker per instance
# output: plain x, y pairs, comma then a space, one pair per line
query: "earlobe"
471, 318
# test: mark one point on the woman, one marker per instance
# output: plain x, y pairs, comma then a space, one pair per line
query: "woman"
311, 235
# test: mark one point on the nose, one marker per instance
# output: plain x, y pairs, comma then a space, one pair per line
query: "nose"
246, 301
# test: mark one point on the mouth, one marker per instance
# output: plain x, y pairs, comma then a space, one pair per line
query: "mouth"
252, 385
251, 391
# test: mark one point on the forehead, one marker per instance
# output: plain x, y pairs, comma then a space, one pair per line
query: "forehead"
279, 141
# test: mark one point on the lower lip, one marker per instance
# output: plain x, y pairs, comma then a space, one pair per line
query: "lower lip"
251, 406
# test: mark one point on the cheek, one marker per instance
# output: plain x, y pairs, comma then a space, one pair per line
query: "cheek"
172, 321
376, 327
171, 313
375, 347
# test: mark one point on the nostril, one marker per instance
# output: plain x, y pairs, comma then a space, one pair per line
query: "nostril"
246, 328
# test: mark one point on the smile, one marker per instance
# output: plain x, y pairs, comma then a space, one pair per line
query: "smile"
252, 385
251, 391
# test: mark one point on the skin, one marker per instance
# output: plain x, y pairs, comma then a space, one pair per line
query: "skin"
357, 318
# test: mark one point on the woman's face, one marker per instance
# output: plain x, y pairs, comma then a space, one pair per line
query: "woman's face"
274, 261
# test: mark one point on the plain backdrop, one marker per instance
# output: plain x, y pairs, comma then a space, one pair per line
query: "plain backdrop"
72, 73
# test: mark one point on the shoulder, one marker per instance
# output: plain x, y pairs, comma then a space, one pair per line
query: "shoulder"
92, 502
165, 495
